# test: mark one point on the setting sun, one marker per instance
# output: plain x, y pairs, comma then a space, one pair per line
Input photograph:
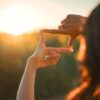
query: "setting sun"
17, 20
21, 16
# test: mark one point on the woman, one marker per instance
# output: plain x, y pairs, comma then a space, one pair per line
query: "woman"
89, 58
89, 88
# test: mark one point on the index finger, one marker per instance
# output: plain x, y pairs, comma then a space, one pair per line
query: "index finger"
42, 39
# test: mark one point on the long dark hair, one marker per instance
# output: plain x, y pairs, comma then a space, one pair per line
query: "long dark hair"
92, 62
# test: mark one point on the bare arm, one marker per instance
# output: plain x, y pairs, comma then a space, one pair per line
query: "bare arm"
26, 88
27, 84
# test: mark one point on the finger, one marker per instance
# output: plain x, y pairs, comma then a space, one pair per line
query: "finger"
42, 39
64, 29
68, 29
59, 50
68, 25
54, 56
50, 62
68, 21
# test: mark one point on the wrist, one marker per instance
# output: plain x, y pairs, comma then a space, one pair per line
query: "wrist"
31, 65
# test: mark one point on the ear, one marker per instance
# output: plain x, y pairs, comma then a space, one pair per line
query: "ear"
82, 49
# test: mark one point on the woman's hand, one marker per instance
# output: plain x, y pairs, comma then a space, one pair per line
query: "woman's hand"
73, 25
44, 56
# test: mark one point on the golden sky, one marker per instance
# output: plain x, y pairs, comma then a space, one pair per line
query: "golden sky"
19, 16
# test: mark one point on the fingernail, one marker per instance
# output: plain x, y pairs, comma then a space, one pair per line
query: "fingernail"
71, 50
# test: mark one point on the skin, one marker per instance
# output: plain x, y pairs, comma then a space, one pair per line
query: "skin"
73, 25
36, 60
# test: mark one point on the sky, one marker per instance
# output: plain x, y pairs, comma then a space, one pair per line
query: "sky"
78, 6
18, 16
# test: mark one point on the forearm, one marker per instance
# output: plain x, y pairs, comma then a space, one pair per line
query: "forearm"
26, 88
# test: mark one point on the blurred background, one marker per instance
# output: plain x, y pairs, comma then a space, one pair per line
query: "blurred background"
51, 83
20, 21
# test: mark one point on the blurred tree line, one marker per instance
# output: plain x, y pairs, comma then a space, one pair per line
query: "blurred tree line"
54, 81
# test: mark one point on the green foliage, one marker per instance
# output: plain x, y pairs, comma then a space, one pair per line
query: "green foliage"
50, 82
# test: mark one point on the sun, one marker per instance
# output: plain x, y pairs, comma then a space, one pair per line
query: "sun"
17, 20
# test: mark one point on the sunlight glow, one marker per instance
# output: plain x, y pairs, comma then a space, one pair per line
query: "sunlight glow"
21, 16
24, 16
17, 20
